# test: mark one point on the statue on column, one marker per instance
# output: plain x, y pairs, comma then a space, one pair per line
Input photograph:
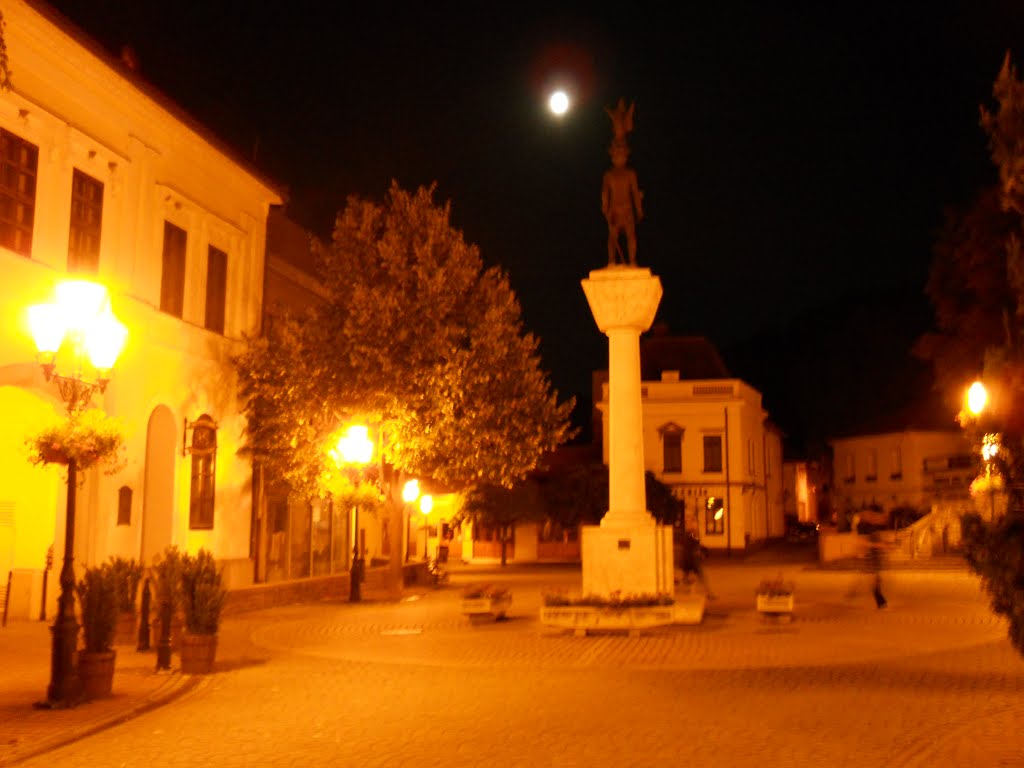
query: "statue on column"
620, 195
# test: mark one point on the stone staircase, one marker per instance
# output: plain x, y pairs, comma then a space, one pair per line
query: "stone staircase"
934, 537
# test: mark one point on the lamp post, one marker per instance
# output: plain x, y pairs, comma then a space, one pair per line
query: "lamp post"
81, 322
426, 504
977, 401
410, 492
355, 447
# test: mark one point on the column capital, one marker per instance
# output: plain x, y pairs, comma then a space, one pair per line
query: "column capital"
622, 297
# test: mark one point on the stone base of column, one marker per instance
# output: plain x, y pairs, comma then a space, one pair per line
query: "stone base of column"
627, 560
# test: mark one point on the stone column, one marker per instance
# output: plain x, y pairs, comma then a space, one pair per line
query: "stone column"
624, 301
628, 552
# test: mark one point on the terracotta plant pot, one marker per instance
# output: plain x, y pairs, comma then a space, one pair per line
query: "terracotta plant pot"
198, 653
96, 671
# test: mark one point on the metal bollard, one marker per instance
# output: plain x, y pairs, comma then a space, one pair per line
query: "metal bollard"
163, 648
143, 644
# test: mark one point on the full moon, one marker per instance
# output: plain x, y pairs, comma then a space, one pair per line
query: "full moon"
558, 102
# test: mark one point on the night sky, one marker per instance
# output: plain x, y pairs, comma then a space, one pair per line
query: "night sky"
795, 158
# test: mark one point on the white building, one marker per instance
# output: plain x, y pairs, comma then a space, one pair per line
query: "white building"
102, 177
708, 437
909, 468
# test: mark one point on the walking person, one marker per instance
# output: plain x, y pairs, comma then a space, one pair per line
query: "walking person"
691, 561
876, 561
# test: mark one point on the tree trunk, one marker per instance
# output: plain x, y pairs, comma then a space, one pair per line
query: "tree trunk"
504, 545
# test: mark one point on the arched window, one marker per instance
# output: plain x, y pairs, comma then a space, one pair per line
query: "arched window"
671, 447
204, 464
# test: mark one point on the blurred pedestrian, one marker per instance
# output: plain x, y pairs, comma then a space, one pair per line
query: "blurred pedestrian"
692, 562
876, 561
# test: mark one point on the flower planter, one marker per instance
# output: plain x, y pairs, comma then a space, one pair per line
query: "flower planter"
96, 671
581, 618
198, 653
496, 606
688, 609
775, 605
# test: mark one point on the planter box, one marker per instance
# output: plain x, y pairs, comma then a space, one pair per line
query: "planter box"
198, 653
581, 618
96, 671
688, 609
486, 606
775, 604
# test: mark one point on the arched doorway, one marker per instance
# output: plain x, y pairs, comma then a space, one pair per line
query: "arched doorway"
158, 484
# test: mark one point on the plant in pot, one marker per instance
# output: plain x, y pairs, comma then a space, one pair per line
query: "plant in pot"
127, 575
167, 572
204, 598
486, 600
775, 597
97, 598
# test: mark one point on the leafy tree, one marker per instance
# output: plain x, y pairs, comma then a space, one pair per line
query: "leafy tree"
289, 421
415, 337
575, 494
418, 333
995, 547
578, 494
968, 290
500, 508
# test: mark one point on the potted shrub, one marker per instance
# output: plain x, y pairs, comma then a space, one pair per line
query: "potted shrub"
167, 570
127, 575
775, 597
616, 611
486, 600
97, 598
203, 597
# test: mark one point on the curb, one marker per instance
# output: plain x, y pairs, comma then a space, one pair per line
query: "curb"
175, 687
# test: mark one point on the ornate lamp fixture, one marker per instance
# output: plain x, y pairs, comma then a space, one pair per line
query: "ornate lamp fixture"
81, 321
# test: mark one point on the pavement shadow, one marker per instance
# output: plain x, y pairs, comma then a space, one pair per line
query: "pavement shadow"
231, 665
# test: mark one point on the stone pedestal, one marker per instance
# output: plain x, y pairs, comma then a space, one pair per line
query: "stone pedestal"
627, 559
628, 553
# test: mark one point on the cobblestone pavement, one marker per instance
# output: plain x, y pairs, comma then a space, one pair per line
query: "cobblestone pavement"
930, 681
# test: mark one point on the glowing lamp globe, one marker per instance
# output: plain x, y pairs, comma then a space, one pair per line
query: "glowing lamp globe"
977, 398
426, 504
48, 324
82, 301
411, 491
355, 445
104, 340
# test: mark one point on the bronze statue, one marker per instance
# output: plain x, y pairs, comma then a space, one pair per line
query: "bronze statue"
620, 195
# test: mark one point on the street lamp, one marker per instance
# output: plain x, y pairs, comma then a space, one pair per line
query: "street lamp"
410, 492
426, 504
977, 401
977, 398
80, 321
355, 447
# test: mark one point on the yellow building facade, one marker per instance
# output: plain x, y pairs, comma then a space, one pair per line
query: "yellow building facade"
105, 179
711, 442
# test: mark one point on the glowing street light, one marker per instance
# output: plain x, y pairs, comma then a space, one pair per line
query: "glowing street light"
977, 398
81, 322
411, 491
354, 447
426, 504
